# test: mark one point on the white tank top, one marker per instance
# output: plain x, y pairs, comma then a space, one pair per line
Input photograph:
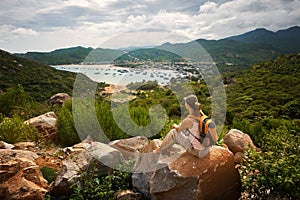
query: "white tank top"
196, 132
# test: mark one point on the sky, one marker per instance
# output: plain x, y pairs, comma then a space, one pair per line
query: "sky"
46, 25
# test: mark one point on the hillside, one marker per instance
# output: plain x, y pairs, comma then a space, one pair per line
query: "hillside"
268, 90
287, 41
232, 53
40, 81
153, 54
72, 55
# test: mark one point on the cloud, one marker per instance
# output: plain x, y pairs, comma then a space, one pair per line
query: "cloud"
90, 22
24, 32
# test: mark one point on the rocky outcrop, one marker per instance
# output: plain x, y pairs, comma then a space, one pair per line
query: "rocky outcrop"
188, 177
20, 177
59, 99
46, 124
85, 156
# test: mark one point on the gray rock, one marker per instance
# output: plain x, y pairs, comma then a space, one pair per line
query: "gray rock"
4, 145
59, 99
85, 156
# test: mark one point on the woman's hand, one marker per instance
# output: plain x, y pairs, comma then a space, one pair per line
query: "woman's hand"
175, 126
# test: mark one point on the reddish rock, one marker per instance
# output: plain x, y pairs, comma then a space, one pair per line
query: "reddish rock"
188, 177
238, 157
237, 141
20, 177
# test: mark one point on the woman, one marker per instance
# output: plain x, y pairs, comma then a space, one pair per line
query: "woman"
187, 133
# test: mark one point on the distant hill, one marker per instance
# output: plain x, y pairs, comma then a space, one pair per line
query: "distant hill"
40, 81
286, 41
153, 54
72, 55
100, 55
236, 52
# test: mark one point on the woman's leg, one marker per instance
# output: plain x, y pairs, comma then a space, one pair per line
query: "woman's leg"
174, 137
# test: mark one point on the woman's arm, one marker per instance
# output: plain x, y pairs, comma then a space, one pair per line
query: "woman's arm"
186, 123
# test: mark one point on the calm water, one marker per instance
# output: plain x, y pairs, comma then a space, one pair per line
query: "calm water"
119, 75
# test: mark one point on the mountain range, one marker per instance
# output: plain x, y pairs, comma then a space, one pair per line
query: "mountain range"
239, 51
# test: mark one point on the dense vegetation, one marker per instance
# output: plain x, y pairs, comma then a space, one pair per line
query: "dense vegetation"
72, 55
156, 55
39, 81
262, 101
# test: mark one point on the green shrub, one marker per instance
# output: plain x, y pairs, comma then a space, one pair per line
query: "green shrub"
105, 187
49, 173
12, 100
13, 130
66, 128
276, 169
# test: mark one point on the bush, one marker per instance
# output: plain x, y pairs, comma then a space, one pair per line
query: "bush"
66, 128
13, 130
275, 170
105, 187
12, 100
49, 173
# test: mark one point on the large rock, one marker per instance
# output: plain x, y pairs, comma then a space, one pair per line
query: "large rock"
188, 177
59, 99
46, 124
237, 141
85, 156
20, 177
129, 147
4, 145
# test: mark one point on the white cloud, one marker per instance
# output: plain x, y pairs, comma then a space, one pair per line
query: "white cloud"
24, 32
29, 23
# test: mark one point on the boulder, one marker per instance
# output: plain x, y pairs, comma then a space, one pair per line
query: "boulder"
20, 176
237, 141
59, 99
25, 145
128, 195
130, 146
46, 124
189, 177
4, 145
85, 156
238, 157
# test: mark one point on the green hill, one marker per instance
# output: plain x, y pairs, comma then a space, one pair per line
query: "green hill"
72, 55
40, 81
267, 90
149, 54
287, 41
101, 55
232, 53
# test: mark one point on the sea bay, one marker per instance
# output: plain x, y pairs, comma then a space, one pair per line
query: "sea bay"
115, 75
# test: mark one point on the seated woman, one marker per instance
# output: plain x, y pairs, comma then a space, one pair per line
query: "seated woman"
188, 133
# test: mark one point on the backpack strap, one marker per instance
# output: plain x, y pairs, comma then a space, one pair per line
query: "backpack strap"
204, 123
